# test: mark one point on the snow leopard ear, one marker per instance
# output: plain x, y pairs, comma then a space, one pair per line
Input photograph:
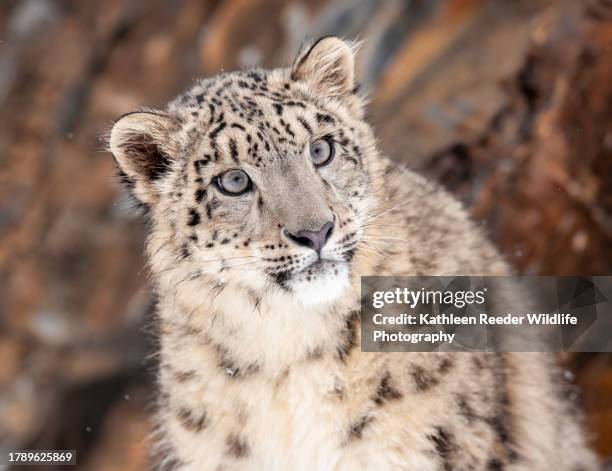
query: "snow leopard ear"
142, 146
328, 65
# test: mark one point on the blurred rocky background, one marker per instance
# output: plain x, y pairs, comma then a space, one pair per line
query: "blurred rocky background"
507, 102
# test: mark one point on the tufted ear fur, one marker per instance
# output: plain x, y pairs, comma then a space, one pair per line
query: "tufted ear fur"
328, 65
142, 146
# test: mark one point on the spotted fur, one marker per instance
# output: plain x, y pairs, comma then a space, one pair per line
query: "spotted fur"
261, 366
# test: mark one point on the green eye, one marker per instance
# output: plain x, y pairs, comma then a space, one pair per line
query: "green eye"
233, 182
322, 152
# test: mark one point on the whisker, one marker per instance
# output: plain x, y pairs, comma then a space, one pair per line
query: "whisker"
398, 205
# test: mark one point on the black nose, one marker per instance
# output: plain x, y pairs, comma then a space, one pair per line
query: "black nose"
312, 239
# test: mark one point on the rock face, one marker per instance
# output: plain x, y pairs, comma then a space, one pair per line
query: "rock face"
507, 103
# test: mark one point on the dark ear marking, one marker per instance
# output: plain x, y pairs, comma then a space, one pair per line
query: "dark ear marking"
142, 145
157, 163
328, 67
303, 57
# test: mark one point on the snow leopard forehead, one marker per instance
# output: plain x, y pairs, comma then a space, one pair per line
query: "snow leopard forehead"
259, 116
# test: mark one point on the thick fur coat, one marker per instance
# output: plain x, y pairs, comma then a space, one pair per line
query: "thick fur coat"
260, 365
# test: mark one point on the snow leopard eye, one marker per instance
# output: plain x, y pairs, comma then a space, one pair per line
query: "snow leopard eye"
233, 182
322, 151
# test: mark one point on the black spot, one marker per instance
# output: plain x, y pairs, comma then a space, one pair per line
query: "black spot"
349, 336
386, 392
198, 164
194, 218
465, 409
233, 150
278, 108
215, 132
445, 365
237, 446
299, 104
349, 254
256, 76
356, 429
281, 277
498, 424
315, 354
192, 421
199, 98
494, 464
287, 127
305, 125
230, 368
423, 379
443, 442
325, 118
200, 194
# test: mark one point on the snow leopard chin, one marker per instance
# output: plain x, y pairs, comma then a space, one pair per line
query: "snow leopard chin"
323, 285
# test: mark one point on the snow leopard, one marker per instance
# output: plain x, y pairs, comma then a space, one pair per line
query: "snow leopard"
268, 199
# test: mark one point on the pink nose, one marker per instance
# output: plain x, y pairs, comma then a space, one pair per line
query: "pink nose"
314, 240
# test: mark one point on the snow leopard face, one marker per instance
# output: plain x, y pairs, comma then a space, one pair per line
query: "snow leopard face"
259, 178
